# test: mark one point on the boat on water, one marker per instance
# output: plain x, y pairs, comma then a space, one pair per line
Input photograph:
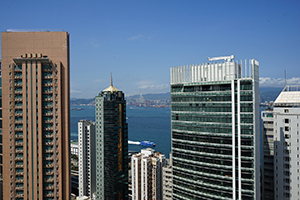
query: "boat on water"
147, 143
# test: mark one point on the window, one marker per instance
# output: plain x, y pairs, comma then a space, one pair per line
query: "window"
286, 120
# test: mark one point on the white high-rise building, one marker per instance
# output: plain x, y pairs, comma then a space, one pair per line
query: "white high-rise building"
86, 157
286, 114
147, 173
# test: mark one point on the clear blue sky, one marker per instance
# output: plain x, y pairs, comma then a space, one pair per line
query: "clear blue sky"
139, 40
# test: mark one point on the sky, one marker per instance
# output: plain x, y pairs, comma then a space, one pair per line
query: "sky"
138, 41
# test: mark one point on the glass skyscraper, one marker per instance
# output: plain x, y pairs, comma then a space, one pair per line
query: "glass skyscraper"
215, 130
111, 145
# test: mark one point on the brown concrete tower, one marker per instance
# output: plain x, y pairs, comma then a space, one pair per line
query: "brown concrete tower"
36, 115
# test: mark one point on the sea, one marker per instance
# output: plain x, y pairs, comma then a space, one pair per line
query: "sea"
144, 124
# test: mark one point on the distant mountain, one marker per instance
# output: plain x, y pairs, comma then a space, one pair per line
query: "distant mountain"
269, 93
76, 102
266, 94
159, 96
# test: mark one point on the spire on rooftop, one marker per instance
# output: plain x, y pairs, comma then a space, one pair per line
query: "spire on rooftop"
111, 88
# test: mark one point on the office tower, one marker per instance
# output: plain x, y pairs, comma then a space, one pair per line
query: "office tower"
167, 180
111, 145
36, 115
147, 174
87, 158
286, 115
215, 130
268, 154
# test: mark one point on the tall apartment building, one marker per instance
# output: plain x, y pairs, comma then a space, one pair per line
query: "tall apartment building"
215, 130
286, 114
147, 175
111, 145
36, 115
87, 158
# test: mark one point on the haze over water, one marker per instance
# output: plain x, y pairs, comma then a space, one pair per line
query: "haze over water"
144, 124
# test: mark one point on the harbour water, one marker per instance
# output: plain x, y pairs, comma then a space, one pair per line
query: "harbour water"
144, 124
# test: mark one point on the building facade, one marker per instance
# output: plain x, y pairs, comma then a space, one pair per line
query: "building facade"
36, 115
215, 130
111, 145
87, 158
268, 154
167, 180
286, 114
147, 175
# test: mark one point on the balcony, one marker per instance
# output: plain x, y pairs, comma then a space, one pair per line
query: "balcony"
19, 173
18, 70
19, 136
18, 114
18, 129
49, 180
48, 99
18, 121
48, 129
48, 92
18, 84
19, 144
49, 173
19, 188
48, 114
47, 70
49, 166
19, 151
49, 106
20, 181
19, 166
47, 77
48, 143
19, 92
19, 100
50, 121
48, 136
49, 151
49, 188
18, 107
49, 195
19, 195
49, 158
48, 85
18, 77
19, 158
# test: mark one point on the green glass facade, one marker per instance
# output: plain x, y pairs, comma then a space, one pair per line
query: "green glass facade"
213, 139
111, 146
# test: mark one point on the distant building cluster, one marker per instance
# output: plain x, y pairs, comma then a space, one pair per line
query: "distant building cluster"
215, 133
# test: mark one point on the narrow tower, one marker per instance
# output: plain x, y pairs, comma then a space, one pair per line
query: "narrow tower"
111, 145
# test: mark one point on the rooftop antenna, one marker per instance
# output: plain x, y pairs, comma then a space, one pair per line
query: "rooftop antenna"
111, 81
285, 78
